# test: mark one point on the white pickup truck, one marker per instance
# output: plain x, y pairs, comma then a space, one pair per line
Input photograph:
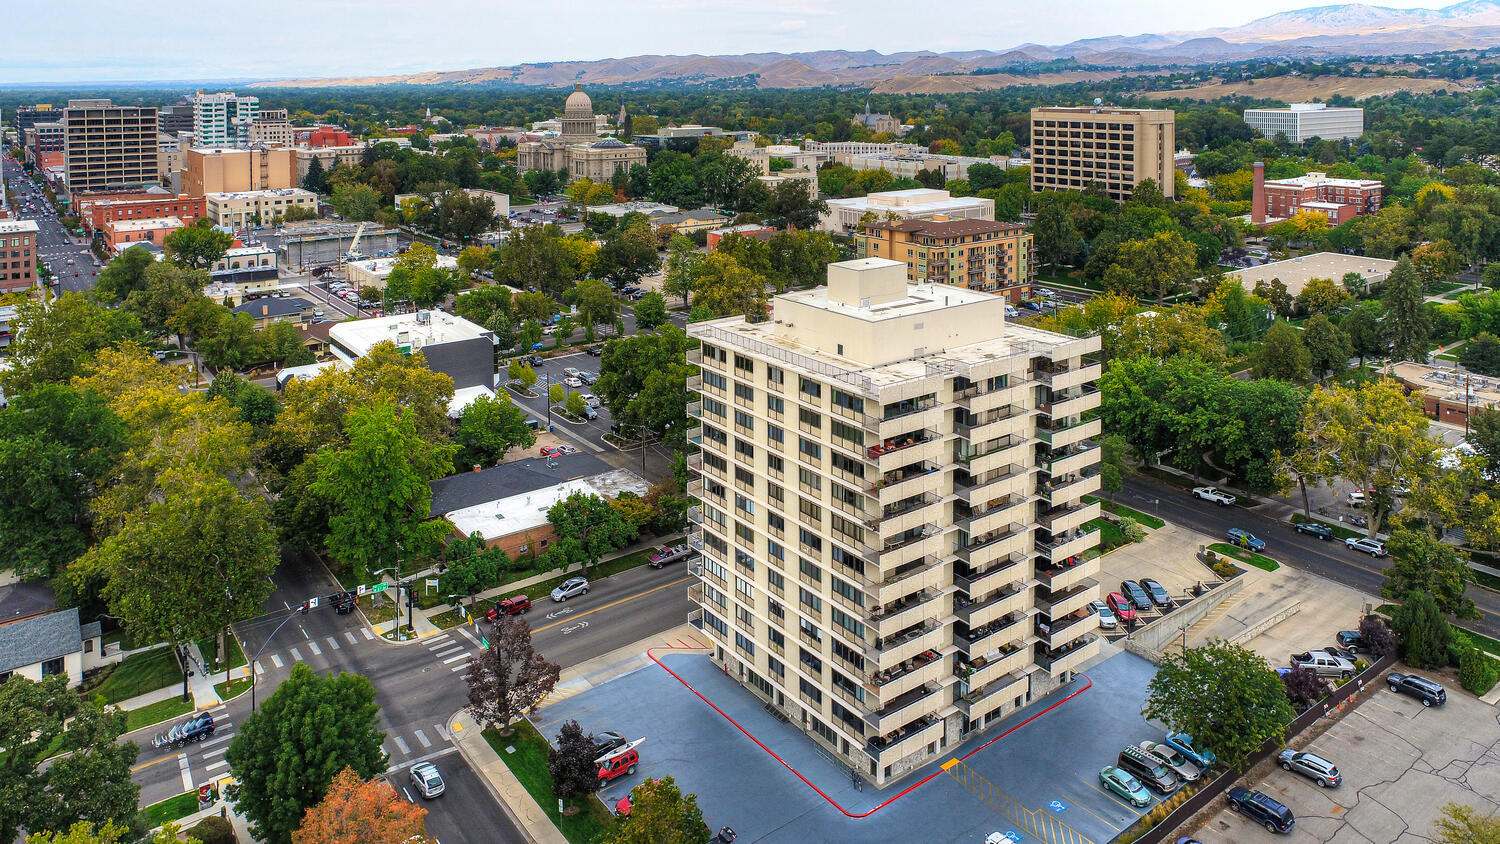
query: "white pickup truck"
1326, 664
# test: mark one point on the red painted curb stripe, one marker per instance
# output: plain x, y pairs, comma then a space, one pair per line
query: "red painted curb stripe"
819, 791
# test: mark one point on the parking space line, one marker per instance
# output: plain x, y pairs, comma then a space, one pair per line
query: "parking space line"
187, 772
317, 651
1116, 800
276, 660
1107, 822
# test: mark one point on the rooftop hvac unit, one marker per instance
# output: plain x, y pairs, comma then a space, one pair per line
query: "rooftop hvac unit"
424, 317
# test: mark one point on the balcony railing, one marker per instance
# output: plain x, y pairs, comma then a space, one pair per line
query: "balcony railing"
981, 701
1070, 459
979, 543
1069, 487
892, 412
1057, 430
968, 608
902, 507
969, 523
967, 429
1068, 657
884, 645
1067, 405
1047, 520
901, 613
1064, 601
883, 748
896, 444
975, 583
991, 447
987, 637
1070, 544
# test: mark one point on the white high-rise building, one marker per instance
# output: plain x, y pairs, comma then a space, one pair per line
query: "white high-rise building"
1308, 120
223, 119
895, 544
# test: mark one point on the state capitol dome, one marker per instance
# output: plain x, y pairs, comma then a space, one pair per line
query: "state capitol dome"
578, 104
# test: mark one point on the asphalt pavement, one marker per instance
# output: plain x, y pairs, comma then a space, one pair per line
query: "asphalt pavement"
55, 246
1325, 558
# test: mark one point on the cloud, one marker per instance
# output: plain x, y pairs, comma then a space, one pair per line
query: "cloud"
789, 26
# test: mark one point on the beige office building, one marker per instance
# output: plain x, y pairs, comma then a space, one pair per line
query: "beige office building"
209, 170
108, 147
271, 128
253, 208
891, 479
1072, 148
329, 157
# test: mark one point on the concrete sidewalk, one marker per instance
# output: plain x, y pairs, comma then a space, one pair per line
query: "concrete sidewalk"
469, 737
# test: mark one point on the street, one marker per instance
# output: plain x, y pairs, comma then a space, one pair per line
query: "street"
55, 246
418, 685
1328, 559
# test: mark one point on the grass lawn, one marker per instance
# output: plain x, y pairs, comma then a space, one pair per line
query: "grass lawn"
1257, 560
1108, 506
233, 688
1486, 579
138, 674
598, 572
1446, 356
1457, 293
529, 764
125, 640
445, 620
1169, 477
1446, 286
385, 612
1339, 531
172, 808
1109, 533
236, 655
157, 712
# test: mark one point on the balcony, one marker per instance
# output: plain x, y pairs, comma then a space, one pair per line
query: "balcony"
1061, 576
891, 651
906, 515
977, 488
993, 454
1063, 547
897, 550
996, 604
1064, 600
1068, 659
904, 612
695, 515
695, 409
995, 513
1072, 402
1067, 430
1069, 487
976, 583
881, 424
1059, 631
695, 356
1066, 518
1061, 376
887, 686
986, 637
921, 573
983, 550
905, 709
895, 452
989, 425
1070, 460
975, 400
898, 744
894, 485
695, 384
1001, 681
695, 488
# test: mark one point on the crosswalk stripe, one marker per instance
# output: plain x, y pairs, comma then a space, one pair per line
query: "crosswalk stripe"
215, 766
422, 737
213, 741
317, 651
296, 657
218, 751
276, 660
448, 651
440, 642
452, 659
401, 744
463, 667
333, 643
349, 634
366, 631
186, 771
259, 669
467, 635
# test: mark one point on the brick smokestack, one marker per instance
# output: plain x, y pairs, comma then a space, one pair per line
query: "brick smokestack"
1258, 197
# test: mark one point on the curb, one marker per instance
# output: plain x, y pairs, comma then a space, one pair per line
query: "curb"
489, 784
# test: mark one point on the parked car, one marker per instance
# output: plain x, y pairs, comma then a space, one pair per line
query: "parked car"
557, 450
570, 371
1125, 785
1317, 529
572, 382
590, 413
535, 360
1245, 539
1326, 664
669, 554
1262, 809
606, 742
1217, 496
619, 765
1121, 607
1148, 770
1156, 591
1355, 499
1345, 653
515, 605
587, 377
194, 729
596, 351
1373, 547
1421, 688
1182, 767
426, 780
1312, 766
1106, 616
1351, 639
1138, 597
1183, 743
571, 587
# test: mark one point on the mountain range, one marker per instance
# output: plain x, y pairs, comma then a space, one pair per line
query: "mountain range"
1353, 29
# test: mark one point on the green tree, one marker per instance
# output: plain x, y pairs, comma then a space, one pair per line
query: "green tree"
596, 302
1224, 695
1420, 563
681, 272
1426, 636
1436, 262
629, 252
1327, 347
790, 205
84, 832
532, 256
1407, 322
726, 288
52, 343
88, 781
1112, 466
660, 814
587, 528
1362, 327
521, 374
1163, 264
166, 291
1491, 275
575, 404
1462, 824
313, 181
1056, 237
356, 202
285, 756
1481, 354
1282, 355
650, 311
1322, 296
378, 489
124, 275
488, 428
1275, 292
1484, 436
642, 380
198, 246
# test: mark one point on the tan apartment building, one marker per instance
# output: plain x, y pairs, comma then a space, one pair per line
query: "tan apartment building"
329, 157
258, 207
108, 146
1116, 147
975, 254
891, 478
209, 170
271, 128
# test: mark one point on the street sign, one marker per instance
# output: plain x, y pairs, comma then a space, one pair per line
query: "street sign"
432, 583
312, 603
380, 587
363, 589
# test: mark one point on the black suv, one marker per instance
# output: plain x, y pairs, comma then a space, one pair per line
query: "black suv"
194, 729
1148, 769
1421, 688
1262, 809
1317, 529
343, 603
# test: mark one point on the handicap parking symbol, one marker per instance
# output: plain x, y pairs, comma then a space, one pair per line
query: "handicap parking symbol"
1058, 806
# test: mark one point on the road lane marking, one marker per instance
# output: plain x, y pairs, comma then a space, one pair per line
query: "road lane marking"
614, 604
296, 657
456, 668
452, 659
405, 751
1113, 799
214, 741
276, 660
187, 773
333, 643
144, 765
422, 737
317, 651
216, 766
349, 634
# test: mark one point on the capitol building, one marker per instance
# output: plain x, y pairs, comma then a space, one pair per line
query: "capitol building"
579, 149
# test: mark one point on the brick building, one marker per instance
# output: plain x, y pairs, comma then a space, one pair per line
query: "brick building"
18, 257
976, 254
1340, 200
93, 214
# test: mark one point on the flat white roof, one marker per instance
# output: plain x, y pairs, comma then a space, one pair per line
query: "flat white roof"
508, 516
311, 370
148, 223
17, 226
359, 336
257, 194
381, 267
1296, 272
465, 396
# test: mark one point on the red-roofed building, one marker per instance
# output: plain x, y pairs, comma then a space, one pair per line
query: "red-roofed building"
1340, 200
95, 213
325, 136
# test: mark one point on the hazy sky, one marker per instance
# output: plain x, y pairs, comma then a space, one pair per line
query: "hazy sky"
57, 41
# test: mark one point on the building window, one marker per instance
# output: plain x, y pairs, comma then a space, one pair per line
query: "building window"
775, 404
811, 388
810, 448
810, 660
52, 666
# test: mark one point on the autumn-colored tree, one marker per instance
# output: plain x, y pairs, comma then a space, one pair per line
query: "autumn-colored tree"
360, 812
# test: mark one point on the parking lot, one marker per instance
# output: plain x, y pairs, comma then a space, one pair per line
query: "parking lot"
1038, 758
1401, 764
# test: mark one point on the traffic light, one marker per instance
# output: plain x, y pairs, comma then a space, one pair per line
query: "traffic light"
303, 609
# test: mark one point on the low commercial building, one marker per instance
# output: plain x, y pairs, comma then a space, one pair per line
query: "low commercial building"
975, 254
1295, 273
620, 209
1448, 394
687, 222
808, 179
315, 243
234, 286
916, 204
18, 254
450, 344
1340, 200
271, 128
792, 157
1301, 122
325, 136
47, 645
269, 310
94, 212
246, 257
209, 170
759, 232
120, 235
243, 209
506, 505
375, 271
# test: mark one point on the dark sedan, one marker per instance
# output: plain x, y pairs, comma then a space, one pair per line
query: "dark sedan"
1317, 529
1132, 590
1156, 591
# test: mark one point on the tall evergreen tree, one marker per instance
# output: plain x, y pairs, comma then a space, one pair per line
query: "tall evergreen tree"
313, 181
1407, 321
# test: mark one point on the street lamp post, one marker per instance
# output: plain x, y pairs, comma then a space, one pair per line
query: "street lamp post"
256, 658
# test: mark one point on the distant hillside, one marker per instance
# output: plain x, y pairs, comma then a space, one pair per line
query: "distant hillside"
1319, 32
